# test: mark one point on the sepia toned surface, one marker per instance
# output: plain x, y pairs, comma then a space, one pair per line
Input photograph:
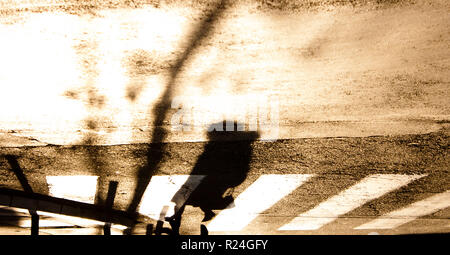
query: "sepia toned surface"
127, 90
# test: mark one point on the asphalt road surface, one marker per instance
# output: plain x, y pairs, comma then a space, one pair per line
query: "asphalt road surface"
344, 111
393, 184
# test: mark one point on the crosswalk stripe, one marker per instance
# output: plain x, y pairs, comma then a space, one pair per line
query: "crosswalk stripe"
418, 209
258, 197
80, 188
366, 190
161, 190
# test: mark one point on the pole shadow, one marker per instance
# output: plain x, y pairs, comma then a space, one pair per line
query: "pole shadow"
157, 146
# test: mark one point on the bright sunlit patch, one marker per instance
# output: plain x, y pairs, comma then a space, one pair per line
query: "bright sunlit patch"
402, 216
369, 188
79, 188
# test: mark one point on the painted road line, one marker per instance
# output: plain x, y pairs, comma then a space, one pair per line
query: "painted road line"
366, 190
258, 197
25, 221
162, 189
74, 231
75, 221
12, 211
418, 209
59, 220
80, 188
47, 223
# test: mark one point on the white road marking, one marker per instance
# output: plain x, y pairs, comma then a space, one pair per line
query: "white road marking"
76, 231
366, 190
80, 188
59, 220
25, 221
47, 223
75, 221
161, 190
418, 209
53, 220
258, 197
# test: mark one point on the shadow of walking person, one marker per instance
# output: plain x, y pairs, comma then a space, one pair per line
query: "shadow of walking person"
225, 163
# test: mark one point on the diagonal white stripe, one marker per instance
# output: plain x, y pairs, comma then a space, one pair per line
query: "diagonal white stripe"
78, 187
258, 197
160, 191
366, 190
418, 209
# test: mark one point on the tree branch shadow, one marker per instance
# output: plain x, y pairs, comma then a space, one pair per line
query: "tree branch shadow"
157, 146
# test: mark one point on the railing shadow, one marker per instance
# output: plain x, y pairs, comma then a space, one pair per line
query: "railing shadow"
15, 167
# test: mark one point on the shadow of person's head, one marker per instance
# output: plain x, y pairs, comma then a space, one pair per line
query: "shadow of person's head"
225, 163
230, 131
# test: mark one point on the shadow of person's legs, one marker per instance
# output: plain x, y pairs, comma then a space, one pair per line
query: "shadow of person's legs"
225, 163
